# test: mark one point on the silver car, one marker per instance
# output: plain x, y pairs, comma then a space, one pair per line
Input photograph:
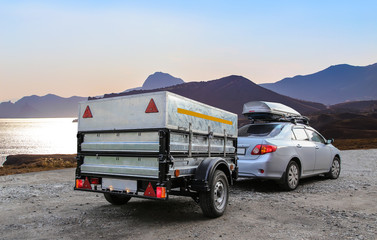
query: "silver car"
286, 152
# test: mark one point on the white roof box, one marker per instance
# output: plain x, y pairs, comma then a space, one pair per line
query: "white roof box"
268, 110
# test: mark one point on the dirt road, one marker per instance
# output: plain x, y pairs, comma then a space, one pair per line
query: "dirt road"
44, 206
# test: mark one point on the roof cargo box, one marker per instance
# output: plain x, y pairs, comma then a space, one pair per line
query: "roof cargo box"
155, 111
268, 110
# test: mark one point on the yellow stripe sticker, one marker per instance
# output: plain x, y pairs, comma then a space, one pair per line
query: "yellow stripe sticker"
200, 115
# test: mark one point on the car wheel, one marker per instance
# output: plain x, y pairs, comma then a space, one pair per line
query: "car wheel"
116, 199
291, 177
335, 169
213, 202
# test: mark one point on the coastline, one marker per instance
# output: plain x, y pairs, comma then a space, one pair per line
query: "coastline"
25, 163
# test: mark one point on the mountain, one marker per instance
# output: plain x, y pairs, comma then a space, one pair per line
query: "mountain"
230, 93
336, 84
346, 125
45, 106
55, 106
158, 80
354, 107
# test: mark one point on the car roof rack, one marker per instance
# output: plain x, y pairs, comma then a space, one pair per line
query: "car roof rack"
295, 120
272, 112
303, 120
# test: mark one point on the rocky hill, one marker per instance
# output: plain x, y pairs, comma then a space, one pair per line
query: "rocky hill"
357, 106
346, 125
230, 93
41, 106
159, 80
336, 84
55, 106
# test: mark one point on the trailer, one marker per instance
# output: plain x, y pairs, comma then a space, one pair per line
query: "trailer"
156, 145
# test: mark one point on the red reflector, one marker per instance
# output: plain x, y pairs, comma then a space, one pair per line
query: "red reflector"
87, 113
86, 184
152, 108
94, 181
263, 149
161, 192
149, 191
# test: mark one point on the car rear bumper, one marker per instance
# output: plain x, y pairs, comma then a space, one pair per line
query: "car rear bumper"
264, 167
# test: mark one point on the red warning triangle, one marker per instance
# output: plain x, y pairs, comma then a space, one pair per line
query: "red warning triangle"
149, 191
152, 108
87, 184
87, 113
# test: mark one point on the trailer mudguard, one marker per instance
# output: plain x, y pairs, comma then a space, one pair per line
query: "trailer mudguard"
205, 171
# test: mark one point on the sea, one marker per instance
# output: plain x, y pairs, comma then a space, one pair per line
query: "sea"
37, 136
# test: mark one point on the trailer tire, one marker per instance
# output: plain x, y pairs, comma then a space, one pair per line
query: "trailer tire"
116, 199
213, 202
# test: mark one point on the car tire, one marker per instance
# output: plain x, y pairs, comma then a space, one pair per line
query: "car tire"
291, 177
213, 202
335, 169
116, 199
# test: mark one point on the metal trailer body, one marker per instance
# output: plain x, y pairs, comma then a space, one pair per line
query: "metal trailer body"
154, 145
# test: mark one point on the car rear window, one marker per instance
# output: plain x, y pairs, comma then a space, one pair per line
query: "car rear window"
258, 130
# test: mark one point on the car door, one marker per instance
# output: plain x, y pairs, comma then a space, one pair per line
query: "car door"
322, 152
305, 149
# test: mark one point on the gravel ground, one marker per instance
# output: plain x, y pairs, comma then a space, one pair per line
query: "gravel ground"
44, 206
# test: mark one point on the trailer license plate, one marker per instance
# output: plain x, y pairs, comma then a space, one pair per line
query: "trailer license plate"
241, 151
119, 185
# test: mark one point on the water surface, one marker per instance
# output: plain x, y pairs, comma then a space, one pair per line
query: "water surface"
37, 136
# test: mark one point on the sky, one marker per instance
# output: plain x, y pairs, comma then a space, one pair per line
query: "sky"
88, 48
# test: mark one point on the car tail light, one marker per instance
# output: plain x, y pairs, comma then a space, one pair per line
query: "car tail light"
263, 149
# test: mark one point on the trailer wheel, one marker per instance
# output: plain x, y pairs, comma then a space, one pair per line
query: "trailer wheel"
213, 202
116, 199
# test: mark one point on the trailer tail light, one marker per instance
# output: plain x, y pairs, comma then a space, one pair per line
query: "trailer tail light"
263, 149
83, 184
79, 183
161, 192
94, 180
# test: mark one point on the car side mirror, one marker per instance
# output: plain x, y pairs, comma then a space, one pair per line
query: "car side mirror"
329, 141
